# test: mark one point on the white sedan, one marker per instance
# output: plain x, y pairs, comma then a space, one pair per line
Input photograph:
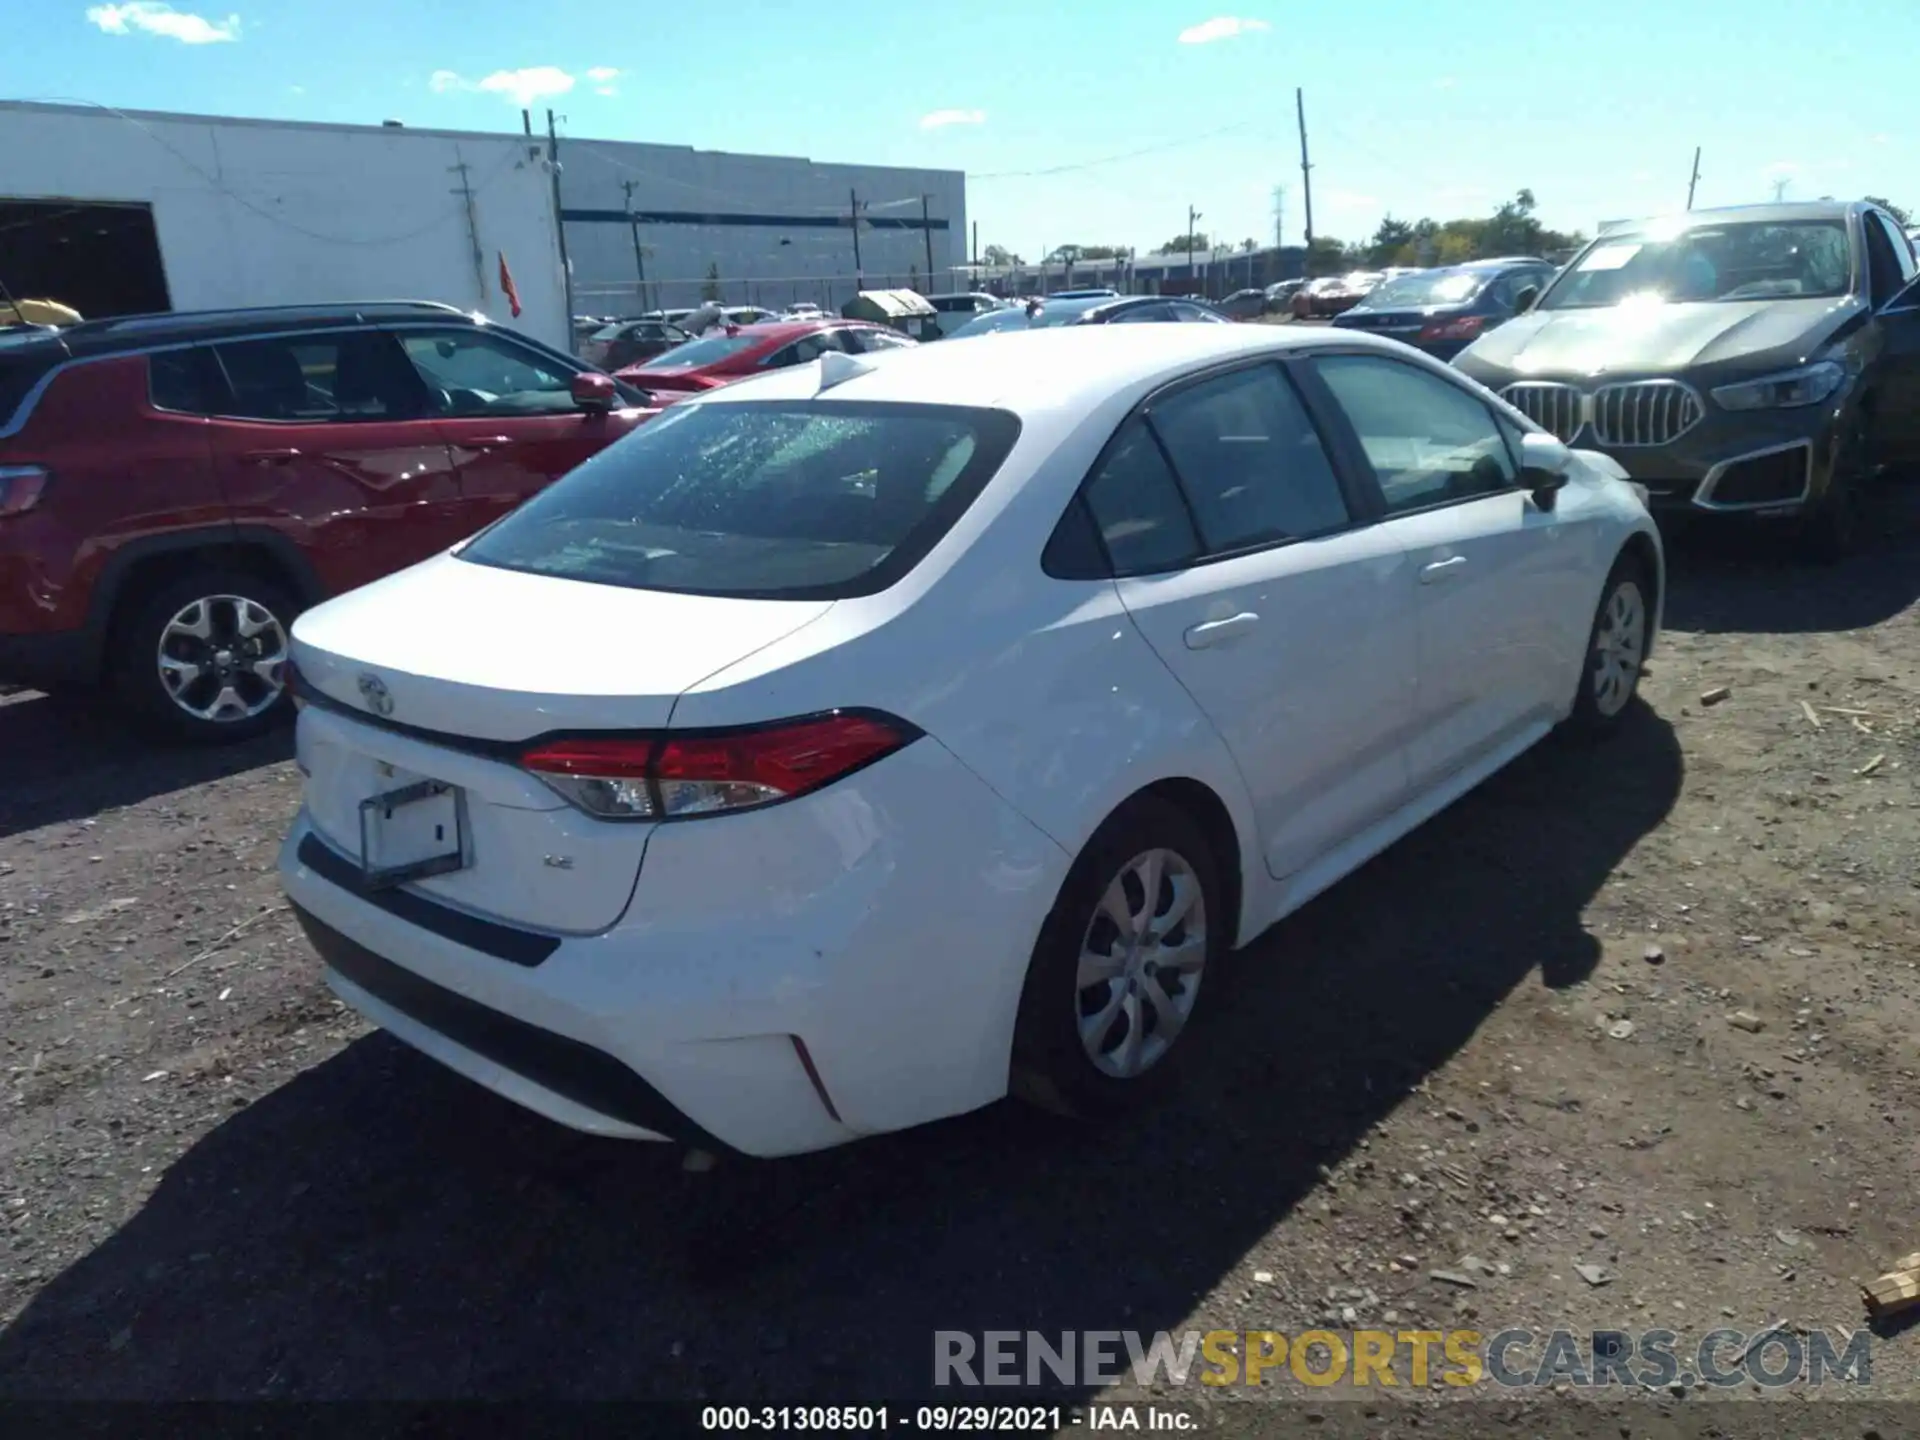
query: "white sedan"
858, 743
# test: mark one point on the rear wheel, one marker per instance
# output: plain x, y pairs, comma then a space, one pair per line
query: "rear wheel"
1616, 649
1114, 990
204, 657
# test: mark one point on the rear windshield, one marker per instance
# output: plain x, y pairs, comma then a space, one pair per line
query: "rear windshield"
798, 500
1433, 287
709, 351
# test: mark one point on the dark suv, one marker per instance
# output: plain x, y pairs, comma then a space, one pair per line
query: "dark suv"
174, 489
1759, 362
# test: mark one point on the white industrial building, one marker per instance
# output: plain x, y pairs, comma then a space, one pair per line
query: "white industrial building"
115, 212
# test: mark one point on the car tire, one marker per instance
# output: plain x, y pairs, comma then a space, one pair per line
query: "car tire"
1834, 528
1616, 652
218, 688
1065, 1059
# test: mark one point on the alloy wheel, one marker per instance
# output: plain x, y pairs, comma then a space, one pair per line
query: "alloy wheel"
1141, 962
222, 658
1619, 648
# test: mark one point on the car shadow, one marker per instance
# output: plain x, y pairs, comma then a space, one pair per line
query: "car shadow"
1747, 580
72, 758
377, 1227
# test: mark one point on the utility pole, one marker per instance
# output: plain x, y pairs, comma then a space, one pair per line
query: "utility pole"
926, 232
526, 122
853, 216
639, 255
976, 244
559, 224
1780, 190
473, 226
1279, 216
1193, 216
1306, 171
1696, 176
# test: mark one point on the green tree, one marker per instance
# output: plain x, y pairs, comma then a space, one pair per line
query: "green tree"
1392, 243
1178, 245
1898, 212
711, 289
999, 257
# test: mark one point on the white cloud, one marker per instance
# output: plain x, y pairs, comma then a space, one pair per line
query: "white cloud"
1221, 27
940, 119
154, 18
603, 74
523, 87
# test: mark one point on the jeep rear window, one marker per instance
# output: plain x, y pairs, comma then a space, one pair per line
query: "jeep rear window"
799, 500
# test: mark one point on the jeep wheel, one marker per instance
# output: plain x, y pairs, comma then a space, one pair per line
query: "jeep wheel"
204, 657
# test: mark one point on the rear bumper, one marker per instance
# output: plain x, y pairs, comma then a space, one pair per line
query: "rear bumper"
46, 661
884, 924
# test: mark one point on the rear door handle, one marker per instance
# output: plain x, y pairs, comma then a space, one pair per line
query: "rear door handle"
1215, 632
271, 457
1441, 569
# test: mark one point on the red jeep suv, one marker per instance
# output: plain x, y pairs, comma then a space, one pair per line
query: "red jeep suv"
174, 489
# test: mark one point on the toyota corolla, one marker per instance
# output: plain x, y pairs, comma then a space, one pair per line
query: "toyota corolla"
864, 741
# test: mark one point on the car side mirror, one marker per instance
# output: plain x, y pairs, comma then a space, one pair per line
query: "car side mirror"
1544, 462
1524, 301
594, 392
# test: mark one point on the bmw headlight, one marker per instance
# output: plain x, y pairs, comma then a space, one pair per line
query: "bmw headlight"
1808, 385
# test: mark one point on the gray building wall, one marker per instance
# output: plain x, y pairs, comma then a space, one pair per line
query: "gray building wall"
774, 230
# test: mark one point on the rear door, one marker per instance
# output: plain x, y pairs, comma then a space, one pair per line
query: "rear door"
1249, 567
1492, 575
325, 437
507, 416
1896, 437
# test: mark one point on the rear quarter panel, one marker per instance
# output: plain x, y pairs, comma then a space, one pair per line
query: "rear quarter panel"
121, 471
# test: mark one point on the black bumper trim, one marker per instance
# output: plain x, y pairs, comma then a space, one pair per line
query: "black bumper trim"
46, 661
504, 942
568, 1067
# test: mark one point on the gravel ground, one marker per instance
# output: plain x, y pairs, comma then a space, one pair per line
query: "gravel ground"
1506, 1048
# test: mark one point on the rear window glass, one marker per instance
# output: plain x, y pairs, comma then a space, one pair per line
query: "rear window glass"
709, 351
770, 500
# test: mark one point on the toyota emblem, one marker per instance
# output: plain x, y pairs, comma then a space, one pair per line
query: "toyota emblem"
374, 691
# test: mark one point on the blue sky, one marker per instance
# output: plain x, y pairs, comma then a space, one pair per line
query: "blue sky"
1139, 108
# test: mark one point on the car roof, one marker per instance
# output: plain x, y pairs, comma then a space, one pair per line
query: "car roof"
1764, 214
1032, 370
93, 338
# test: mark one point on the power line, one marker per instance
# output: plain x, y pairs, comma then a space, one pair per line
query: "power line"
1116, 159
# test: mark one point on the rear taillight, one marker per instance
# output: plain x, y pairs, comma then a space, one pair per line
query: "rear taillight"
665, 777
1466, 327
21, 487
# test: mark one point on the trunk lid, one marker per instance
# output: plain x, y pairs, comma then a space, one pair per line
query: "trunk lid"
451, 664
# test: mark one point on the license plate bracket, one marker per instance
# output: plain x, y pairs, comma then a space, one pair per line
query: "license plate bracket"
411, 833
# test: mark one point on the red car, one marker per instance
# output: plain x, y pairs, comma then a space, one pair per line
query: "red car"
745, 350
174, 489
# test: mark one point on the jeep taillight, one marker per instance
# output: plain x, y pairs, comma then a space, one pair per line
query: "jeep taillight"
21, 487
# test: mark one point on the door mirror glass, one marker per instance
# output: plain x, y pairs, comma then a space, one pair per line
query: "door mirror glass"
1523, 302
594, 391
1544, 462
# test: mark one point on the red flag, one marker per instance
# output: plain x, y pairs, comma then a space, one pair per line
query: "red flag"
507, 286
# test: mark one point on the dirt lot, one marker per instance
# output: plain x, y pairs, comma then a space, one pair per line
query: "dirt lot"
1507, 1041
